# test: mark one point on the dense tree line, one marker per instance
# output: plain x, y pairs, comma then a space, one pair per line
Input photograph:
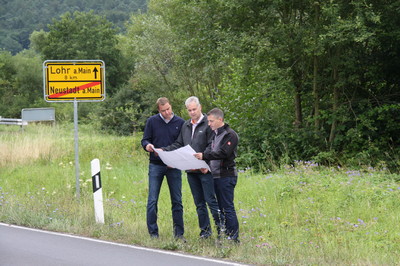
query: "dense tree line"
298, 80
18, 18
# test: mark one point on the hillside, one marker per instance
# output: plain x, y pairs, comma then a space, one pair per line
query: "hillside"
19, 18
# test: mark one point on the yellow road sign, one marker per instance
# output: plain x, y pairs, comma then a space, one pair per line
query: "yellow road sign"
81, 80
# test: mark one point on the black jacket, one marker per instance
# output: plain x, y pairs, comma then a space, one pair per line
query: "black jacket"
222, 152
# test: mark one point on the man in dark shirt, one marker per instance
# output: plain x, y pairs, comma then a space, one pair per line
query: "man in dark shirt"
162, 130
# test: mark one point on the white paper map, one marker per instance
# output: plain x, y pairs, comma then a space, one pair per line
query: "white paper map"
182, 158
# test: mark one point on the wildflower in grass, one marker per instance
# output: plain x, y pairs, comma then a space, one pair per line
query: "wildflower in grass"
266, 245
108, 166
117, 224
353, 173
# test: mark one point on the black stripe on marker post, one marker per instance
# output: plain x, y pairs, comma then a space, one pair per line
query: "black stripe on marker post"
96, 182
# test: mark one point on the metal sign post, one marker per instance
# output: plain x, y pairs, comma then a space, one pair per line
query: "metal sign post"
76, 149
78, 80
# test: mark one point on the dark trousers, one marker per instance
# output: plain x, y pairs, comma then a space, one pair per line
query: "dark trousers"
224, 189
202, 188
174, 180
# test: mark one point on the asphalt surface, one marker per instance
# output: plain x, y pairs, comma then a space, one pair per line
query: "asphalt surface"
20, 246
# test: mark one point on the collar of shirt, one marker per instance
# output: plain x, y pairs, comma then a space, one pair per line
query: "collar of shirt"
194, 125
165, 120
219, 130
198, 121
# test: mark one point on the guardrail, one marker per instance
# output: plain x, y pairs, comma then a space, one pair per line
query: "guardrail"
13, 121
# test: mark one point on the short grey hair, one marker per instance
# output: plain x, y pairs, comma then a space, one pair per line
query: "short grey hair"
216, 112
192, 99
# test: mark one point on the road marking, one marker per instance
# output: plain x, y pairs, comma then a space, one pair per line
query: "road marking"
123, 245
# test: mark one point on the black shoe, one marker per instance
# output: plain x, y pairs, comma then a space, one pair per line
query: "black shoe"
153, 236
181, 238
204, 236
234, 240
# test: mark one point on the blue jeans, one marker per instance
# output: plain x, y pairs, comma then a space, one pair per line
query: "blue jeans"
224, 189
202, 188
174, 179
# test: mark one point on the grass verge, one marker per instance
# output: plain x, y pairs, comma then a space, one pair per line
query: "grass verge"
303, 214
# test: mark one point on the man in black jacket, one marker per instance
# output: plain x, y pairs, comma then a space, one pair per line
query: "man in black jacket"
198, 135
222, 154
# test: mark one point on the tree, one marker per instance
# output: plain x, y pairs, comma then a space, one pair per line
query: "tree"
81, 36
20, 82
19, 18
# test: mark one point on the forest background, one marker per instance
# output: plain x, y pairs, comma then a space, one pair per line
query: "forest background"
298, 80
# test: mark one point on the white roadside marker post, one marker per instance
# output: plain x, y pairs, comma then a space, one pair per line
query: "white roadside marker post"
97, 191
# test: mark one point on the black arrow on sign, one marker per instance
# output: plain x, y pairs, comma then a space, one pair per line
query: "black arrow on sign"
95, 72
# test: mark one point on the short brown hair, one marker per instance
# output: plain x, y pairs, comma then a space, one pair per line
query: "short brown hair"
162, 101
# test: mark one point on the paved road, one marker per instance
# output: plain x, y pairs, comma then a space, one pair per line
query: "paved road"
20, 246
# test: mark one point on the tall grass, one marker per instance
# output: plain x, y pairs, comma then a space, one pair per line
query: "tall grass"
303, 214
